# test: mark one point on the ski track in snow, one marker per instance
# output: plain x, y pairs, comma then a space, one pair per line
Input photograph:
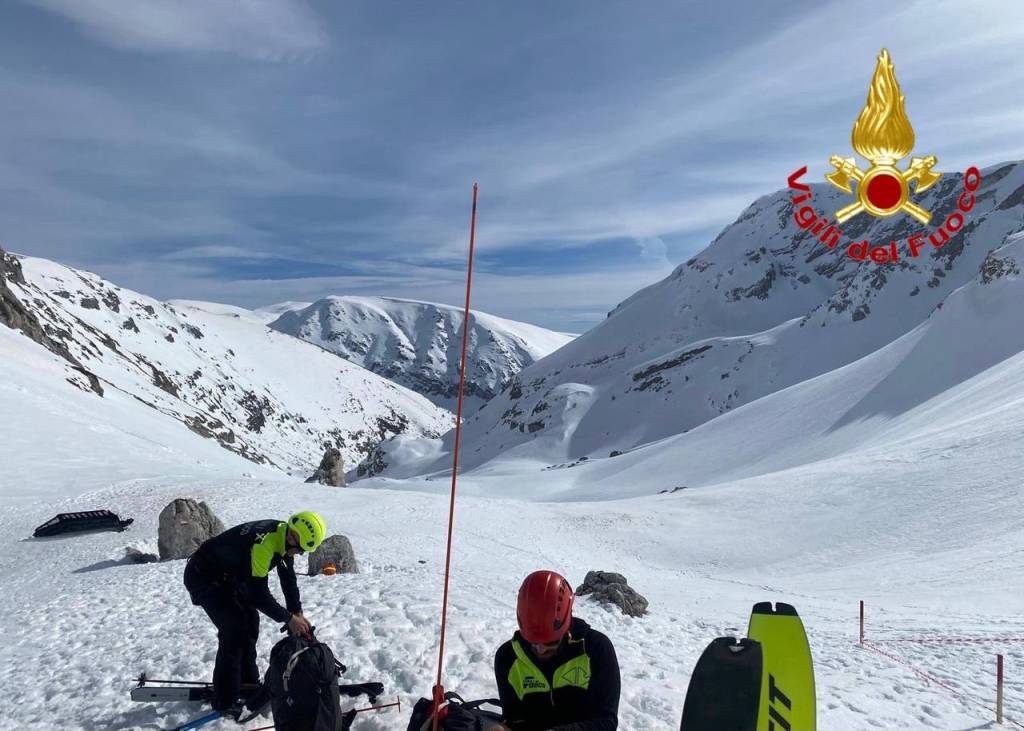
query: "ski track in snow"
85, 622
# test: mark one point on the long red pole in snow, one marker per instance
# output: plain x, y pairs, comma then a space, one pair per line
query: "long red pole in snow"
438, 693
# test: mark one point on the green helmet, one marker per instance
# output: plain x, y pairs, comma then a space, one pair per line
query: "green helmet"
310, 528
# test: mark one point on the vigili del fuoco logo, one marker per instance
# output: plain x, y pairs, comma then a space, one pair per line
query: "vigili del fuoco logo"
882, 135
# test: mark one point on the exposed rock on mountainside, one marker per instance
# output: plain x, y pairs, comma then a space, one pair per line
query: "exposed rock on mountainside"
216, 369
765, 306
418, 344
16, 316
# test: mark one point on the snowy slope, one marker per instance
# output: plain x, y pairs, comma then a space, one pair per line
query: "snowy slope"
418, 344
763, 308
56, 433
926, 529
220, 372
272, 312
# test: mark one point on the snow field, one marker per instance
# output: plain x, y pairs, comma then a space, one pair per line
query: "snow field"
85, 622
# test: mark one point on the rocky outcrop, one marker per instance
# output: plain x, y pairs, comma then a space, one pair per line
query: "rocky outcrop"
185, 524
16, 316
994, 268
336, 550
611, 588
331, 470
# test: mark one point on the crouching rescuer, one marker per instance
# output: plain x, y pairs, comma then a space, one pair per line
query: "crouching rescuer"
556, 672
227, 577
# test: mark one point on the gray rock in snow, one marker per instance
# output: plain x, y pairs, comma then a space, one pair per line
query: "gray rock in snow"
611, 588
336, 550
331, 470
137, 556
184, 525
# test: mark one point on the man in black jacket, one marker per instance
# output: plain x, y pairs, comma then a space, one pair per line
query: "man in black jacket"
556, 673
227, 577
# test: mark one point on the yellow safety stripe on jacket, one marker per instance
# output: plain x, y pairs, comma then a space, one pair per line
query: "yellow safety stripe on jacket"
265, 548
525, 677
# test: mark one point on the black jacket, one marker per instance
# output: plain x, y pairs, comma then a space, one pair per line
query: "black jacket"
567, 708
240, 559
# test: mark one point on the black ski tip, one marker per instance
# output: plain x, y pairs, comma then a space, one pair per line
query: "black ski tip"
725, 687
781, 609
736, 646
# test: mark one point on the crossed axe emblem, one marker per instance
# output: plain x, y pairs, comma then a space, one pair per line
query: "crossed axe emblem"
883, 189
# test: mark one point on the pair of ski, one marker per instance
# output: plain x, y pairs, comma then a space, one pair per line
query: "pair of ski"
149, 690
764, 682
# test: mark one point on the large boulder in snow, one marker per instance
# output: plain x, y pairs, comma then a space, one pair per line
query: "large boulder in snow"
331, 470
336, 550
184, 525
611, 588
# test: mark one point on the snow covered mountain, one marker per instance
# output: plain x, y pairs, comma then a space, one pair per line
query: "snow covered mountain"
418, 344
216, 370
763, 308
892, 478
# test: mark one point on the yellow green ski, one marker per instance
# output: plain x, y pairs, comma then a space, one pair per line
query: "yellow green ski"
787, 679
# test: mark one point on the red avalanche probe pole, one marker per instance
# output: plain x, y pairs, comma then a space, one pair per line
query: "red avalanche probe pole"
438, 691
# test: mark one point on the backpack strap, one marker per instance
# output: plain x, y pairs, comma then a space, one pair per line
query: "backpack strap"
473, 705
292, 661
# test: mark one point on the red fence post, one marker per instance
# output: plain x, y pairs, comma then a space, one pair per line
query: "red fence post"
862, 621
999, 689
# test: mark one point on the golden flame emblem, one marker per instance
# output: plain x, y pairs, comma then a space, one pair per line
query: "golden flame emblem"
883, 135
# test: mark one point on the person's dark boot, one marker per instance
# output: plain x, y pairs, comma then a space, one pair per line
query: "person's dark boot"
232, 711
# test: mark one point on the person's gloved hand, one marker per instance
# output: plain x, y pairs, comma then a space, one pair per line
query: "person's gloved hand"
299, 625
347, 718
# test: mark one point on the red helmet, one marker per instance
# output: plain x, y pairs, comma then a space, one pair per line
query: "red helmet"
544, 609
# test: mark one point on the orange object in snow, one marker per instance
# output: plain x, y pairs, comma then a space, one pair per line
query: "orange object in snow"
330, 570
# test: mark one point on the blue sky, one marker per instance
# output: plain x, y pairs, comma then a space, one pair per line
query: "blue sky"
254, 152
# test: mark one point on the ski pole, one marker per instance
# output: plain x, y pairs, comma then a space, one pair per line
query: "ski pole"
377, 708
358, 710
175, 682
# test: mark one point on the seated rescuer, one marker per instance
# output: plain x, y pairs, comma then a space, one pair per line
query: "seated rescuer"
227, 577
556, 672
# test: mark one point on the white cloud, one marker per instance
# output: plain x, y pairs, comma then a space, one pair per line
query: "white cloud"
215, 251
577, 178
261, 29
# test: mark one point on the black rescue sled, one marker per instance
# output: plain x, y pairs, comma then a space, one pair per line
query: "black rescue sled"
84, 520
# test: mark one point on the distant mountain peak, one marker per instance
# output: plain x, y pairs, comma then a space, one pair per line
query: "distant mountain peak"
418, 344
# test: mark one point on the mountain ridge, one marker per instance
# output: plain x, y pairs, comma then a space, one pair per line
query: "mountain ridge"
763, 307
418, 344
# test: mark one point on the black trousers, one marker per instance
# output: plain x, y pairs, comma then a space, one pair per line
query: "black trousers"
238, 629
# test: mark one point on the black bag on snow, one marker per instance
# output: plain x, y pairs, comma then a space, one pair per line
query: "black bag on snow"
302, 681
461, 716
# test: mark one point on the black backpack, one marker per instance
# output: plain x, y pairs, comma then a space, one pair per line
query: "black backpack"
459, 715
302, 681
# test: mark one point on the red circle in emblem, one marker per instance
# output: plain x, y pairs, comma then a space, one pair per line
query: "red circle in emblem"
884, 191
